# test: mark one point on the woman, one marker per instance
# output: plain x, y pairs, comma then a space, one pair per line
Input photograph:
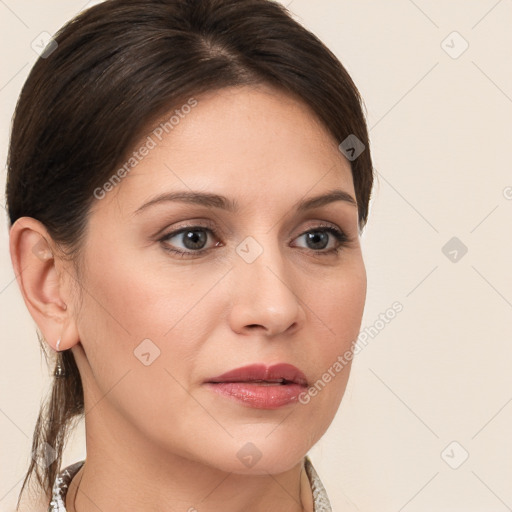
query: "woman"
187, 183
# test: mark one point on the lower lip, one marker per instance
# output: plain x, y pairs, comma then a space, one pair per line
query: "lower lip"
259, 396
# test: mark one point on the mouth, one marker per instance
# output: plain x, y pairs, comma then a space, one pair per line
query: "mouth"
259, 386
282, 374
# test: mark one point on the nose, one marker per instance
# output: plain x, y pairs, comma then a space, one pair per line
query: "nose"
265, 296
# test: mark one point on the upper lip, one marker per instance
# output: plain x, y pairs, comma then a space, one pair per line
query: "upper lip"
260, 372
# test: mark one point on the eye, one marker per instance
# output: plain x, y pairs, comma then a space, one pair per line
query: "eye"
319, 237
194, 239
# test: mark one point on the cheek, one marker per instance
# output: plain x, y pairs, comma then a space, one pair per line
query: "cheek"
336, 314
138, 300
142, 332
132, 308
345, 317
339, 304
347, 312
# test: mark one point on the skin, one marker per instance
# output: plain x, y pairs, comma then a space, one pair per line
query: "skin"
155, 434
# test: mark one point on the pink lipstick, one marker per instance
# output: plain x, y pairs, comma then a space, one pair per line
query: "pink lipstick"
260, 386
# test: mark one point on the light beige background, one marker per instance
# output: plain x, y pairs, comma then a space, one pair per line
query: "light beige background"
439, 372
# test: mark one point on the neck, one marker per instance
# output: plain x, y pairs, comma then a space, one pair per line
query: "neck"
119, 470
86, 494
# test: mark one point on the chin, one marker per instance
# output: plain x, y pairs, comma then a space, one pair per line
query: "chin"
261, 456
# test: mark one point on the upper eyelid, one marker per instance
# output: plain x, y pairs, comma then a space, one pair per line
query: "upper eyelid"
208, 225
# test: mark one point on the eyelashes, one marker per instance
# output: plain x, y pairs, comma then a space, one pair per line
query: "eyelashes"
201, 233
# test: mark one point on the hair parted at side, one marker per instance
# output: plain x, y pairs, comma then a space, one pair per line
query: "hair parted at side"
119, 66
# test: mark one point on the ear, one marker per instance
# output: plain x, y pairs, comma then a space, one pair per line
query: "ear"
43, 281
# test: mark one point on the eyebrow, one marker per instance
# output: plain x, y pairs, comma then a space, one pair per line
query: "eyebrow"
217, 201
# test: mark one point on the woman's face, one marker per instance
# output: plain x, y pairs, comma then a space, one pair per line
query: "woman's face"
263, 284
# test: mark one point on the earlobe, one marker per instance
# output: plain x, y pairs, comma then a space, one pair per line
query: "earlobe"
41, 284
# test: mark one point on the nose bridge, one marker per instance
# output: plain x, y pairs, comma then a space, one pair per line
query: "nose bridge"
264, 293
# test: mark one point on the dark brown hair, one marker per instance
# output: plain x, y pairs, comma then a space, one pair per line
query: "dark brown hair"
117, 67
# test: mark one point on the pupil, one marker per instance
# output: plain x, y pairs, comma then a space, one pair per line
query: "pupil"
191, 241
316, 236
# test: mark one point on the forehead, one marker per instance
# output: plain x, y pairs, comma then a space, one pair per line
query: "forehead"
254, 142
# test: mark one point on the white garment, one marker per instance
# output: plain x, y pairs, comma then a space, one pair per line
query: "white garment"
60, 488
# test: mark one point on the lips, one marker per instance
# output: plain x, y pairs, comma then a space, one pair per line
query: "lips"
260, 386
278, 374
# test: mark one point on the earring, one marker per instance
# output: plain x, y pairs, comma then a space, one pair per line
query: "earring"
60, 372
